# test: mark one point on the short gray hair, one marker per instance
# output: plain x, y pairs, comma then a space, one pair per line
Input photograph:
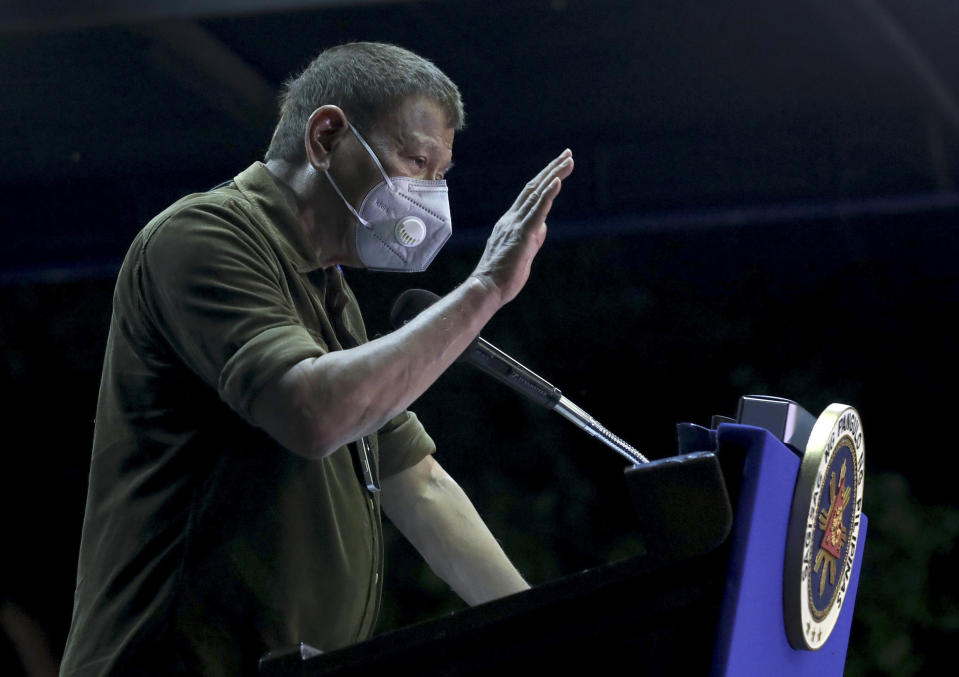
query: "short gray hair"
367, 80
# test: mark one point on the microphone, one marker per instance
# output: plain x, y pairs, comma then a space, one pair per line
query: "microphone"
493, 361
481, 353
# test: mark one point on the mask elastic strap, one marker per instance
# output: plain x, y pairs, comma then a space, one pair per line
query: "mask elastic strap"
345, 201
376, 161
372, 155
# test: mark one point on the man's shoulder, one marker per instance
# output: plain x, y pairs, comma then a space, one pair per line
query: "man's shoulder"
222, 214
222, 205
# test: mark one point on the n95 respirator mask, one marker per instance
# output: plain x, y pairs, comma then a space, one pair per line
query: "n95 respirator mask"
402, 222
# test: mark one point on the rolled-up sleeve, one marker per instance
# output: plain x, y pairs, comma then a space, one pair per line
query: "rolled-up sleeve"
216, 293
403, 443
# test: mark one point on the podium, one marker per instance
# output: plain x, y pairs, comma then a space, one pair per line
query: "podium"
707, 603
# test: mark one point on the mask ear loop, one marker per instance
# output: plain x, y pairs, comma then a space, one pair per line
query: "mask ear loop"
376, 161
345, 201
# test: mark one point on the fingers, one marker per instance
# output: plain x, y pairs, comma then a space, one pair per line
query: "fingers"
560, 167
540, 201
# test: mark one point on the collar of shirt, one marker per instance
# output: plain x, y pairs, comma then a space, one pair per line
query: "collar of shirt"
258, 186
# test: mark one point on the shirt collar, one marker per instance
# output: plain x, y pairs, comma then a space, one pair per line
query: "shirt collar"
259, 187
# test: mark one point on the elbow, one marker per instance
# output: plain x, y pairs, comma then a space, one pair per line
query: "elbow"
314, 430
300, 434
317, 407
313, 446
293, 411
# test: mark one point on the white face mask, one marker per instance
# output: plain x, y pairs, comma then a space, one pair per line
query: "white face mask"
403, 222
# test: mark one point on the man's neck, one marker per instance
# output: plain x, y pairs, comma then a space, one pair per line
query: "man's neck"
319, 213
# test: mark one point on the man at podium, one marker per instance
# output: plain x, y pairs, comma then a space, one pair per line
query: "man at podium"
248, 434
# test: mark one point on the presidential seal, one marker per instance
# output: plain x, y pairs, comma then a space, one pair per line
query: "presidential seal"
823, 527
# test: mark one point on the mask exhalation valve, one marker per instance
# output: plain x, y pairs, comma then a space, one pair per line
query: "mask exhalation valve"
410, 231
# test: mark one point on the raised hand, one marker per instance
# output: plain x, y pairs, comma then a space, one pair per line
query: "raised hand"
521, 231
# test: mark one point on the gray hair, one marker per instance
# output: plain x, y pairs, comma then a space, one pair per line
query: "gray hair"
367, 80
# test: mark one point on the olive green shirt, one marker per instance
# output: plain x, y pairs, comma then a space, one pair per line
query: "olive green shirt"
205, 543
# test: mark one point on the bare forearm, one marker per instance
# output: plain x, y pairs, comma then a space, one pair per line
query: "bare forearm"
441, 522
325, 402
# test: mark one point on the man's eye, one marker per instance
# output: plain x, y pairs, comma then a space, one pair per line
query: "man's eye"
419, 162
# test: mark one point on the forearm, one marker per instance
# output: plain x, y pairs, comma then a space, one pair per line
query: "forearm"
325, 402
443, 525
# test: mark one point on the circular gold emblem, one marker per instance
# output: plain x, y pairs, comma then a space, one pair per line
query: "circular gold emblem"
823, 527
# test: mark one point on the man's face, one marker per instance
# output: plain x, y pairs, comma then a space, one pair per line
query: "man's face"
414, 141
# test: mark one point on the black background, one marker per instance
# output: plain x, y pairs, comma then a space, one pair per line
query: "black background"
764, 202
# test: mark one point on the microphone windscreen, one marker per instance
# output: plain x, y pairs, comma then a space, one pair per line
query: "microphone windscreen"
409, 304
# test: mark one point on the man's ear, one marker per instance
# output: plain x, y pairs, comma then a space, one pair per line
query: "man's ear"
324, 130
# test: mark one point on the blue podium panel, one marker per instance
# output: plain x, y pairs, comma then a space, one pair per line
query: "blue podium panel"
751, 639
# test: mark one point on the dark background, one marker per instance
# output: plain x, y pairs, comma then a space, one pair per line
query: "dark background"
764, 201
